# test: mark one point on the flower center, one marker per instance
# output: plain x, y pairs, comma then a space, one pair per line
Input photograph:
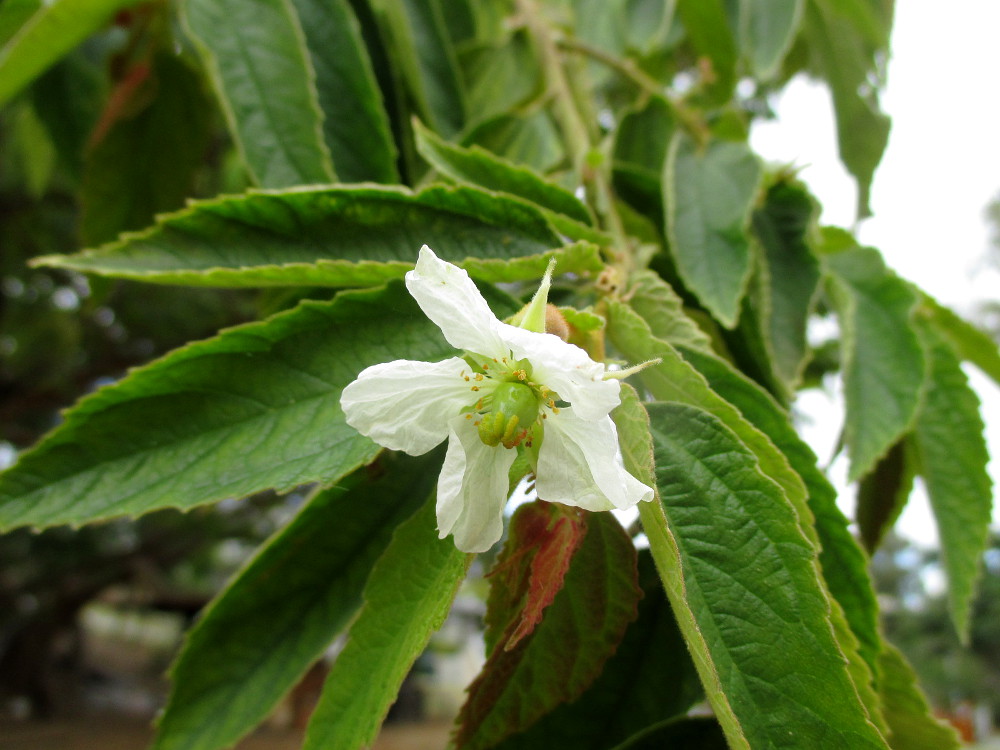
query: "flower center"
509, 403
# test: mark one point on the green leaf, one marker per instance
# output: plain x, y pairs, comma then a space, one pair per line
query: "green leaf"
14, 14
285, 607
649, 679
355, 123
884, 366
336, 236
709, 194
766, 32
406, 599
674, 379
882, 495
911, 724
47, 35
255, 54
479, 167
750, 582
532, 140
145, 164
843, 51
663, 310
707, 26
580, 631
790, 276
426, 59
969, 342
501, 76
844, 564
256, 407
952, 458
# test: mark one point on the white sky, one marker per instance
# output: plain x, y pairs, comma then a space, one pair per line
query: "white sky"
941, 168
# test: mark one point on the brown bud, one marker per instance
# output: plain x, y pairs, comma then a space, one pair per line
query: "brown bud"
555, 322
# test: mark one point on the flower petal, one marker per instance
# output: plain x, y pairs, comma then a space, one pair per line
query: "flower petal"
448, 297
406, 405
472, 489
580, 463
566, 369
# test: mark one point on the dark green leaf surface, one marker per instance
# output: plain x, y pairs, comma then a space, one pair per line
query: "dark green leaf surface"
952, 460
649, 679
580, 630
255, 54
790, 276
336, 236
48, 34
355, 124
700, 733
751, 583
145, 163
479, 167
406, 600
911, 724
709, 194
426, 59
883, 362
280, 613
882, 495
256, 407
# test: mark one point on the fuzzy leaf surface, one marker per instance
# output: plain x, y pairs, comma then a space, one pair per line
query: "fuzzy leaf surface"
256, 407
285, 607
255, 53
406, 599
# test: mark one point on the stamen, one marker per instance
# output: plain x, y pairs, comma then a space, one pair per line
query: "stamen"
475, 387
479, 376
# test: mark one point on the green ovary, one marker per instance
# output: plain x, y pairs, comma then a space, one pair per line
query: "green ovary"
513, 410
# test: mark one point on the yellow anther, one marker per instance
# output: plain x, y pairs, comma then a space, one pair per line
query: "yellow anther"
475, 387
466, 378
521, 375
479, 376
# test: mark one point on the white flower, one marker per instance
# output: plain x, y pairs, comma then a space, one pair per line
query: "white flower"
514, 389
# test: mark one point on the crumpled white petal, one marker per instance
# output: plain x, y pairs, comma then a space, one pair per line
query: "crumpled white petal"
405, 405
580, 464
448, 297
472, 488
566, 369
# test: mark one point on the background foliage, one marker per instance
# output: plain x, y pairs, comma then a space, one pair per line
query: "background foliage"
267, 170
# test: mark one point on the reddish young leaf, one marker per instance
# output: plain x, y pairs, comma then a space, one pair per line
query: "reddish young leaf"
533, 665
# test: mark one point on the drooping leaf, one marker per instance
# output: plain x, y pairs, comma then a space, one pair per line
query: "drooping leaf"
640, 151
883, 361
709, 193
355, 123
578, 633
649, 679
911, 724
790, 277
846, 42
285, 607
767, 30
952, 456
145, 163
406, 599
336, 236
255, 54
426, 58
750, 582
48, 34
971, 344
844, 564
648, 22
479, 167
532, 140
256, 407
882, 494
501, 76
